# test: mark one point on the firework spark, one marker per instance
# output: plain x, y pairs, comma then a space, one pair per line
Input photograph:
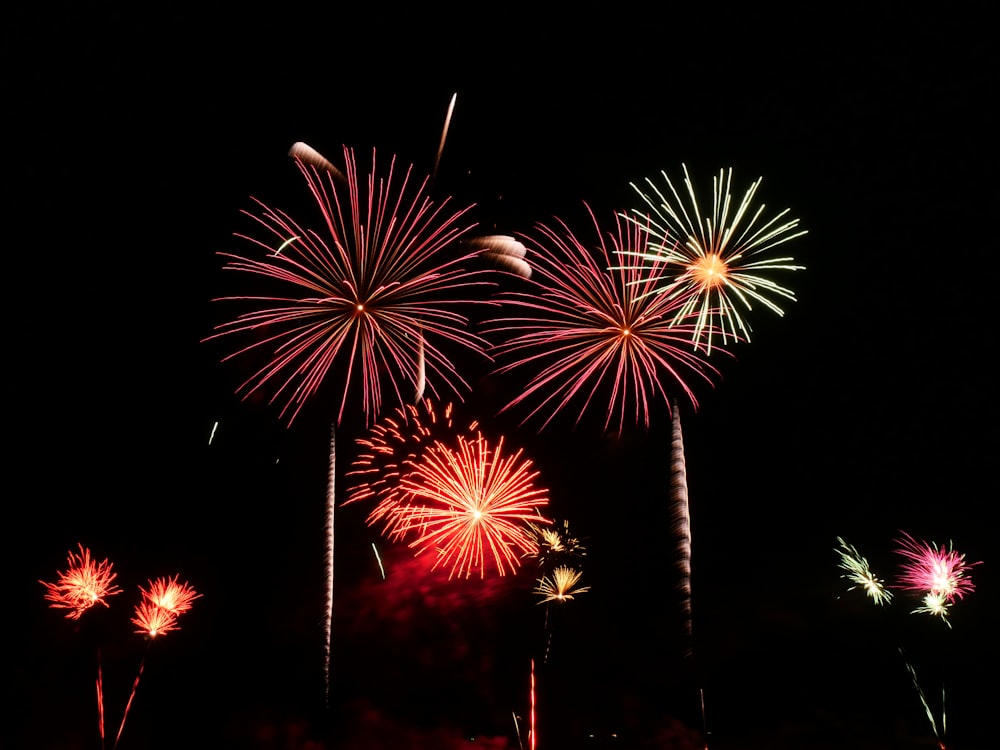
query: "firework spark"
718, 257
561, 586
597, 330
152, 619
473, 503
857, 571
393, 448
170, 595
84, 583
939, 572
382, 279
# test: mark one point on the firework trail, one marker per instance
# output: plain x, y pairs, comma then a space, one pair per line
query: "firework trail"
375, 296
717, 261
857, 571
156, 614
444, 135
682, 516
595, 330
505, 251
532, 735
472, 503
938, 735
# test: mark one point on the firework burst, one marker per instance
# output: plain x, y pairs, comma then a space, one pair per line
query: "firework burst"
472, 504
857, 571
594, 330
553, 544
84, 583
394, 447
561, 586
934, 570
719, 259
376, 294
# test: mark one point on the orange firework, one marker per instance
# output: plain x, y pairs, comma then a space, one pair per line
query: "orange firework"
471, 503
152, 619
168, 594
83, 584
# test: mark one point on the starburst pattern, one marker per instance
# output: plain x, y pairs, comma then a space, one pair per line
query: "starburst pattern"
471, 504
554, 544
84, 583
376, 294
939, 571
719, 262
394, 447
153, 620
857, 571
561, 586
594, 331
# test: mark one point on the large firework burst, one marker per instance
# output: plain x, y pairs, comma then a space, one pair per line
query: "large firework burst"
940, 574
377, 293
472, 504
717, 263
597, 331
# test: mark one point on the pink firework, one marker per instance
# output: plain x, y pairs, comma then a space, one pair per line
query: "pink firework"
472, 504
394, 447
938, 572
84, 583
595, 329
376, 293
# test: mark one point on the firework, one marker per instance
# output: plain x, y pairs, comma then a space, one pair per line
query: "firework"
381, 282
682, 514
593, 329
553, 544
473, 503
505, 251
170, 595
561, 586
84, 583
939, 572
153, 620
857, 571
718, 260
394, 447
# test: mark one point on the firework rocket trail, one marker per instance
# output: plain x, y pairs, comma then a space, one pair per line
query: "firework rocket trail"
331, 495
682, 515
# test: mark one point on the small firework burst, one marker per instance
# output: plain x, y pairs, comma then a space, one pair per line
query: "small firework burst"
83, 584
152, 619
936, 605
720, 258
561, 586
860, 575
938, 571
162, 603
168, 594
554, 544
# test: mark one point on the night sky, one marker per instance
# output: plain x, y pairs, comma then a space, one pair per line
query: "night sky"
135, 137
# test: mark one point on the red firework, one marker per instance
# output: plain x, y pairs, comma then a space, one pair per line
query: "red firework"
84, 583
471, 504
393, 448
374, 293
596, 329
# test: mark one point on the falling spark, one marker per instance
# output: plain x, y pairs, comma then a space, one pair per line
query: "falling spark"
379, 560
860, 575
925, 704
306, 154
715, 257
444, 134
83, 584
211, 437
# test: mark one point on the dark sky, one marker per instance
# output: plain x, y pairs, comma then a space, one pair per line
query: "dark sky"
134, 137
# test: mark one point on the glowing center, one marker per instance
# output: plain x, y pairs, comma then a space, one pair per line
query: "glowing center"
360, 308
709, 271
